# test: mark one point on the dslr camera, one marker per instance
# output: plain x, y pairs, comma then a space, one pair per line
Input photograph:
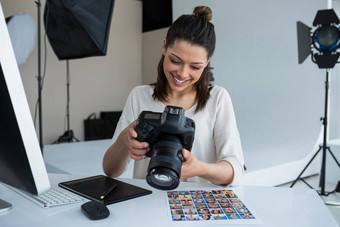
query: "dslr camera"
167, 134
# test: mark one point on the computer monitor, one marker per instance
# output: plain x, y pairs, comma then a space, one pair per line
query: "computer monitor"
21, 161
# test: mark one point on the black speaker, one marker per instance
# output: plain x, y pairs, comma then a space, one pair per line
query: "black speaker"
103, 127
156, 14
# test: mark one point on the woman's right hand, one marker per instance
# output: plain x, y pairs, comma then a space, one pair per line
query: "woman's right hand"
136, 149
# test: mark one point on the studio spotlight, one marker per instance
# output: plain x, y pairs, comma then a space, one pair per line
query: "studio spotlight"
323, 44
322, 41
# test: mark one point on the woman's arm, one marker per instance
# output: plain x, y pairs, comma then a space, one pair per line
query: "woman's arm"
117, 156
220, 173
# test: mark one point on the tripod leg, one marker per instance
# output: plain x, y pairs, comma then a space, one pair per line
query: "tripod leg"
305, 167
333, 156
323, 170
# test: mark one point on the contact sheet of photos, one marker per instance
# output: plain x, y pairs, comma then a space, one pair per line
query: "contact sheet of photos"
208, 205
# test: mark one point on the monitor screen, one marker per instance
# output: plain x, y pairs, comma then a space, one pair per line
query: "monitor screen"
21, 161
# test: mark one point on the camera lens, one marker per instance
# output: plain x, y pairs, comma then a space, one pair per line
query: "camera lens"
162, 178
165, 165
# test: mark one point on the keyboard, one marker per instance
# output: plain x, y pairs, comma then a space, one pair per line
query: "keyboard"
56, 196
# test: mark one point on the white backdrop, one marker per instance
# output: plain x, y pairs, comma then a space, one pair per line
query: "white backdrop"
278, 103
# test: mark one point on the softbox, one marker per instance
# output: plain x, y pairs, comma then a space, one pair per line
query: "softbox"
22, 29
78, 28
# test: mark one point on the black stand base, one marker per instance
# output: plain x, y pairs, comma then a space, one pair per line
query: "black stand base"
324, 148
67, 137
322, 176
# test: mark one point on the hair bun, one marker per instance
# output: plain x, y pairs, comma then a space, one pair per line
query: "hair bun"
203, 11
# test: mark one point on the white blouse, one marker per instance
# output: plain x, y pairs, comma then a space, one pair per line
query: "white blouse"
216, 135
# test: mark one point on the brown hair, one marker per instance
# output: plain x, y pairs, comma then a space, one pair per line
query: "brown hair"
196, 29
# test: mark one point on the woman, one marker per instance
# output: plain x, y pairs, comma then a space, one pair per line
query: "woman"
184, 77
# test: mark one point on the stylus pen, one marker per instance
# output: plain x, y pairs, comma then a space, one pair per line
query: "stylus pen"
109, 190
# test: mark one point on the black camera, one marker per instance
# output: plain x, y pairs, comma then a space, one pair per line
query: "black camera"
167, 134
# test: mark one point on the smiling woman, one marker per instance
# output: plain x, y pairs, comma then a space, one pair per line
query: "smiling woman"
183, 64
183, 67
184, 80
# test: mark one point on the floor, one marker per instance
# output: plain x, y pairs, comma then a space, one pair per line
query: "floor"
333, 198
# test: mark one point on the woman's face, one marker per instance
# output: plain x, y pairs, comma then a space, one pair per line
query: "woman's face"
183, 65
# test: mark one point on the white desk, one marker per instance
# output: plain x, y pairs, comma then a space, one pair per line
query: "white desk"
80, 158
276, 207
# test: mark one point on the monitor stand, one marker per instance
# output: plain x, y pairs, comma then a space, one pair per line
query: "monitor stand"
4, 206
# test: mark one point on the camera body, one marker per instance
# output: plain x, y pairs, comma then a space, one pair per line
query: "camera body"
167, 133
154, 126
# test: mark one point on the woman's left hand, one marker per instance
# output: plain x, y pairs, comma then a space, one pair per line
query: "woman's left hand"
190, 166
220, 173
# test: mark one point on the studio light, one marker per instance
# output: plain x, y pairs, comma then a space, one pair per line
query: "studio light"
22, 30
322, 41
77, 29
326, 38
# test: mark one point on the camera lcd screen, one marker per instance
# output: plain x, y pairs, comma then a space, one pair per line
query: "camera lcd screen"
154, 116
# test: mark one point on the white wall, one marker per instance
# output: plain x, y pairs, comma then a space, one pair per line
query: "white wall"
97, 83
151, 53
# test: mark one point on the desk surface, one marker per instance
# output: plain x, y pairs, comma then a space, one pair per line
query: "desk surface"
81, 158
275, 207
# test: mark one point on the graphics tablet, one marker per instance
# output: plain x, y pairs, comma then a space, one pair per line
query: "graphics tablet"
94, 187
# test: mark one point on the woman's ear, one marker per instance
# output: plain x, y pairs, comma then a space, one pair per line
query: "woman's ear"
164, 47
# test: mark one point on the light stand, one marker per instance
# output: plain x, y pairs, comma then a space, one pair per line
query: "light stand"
77, 29
323, 45
38, 3
68, 135
324, 148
